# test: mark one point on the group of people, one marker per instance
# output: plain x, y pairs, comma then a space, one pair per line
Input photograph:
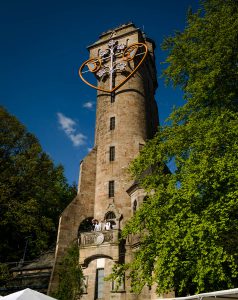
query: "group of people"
102, 225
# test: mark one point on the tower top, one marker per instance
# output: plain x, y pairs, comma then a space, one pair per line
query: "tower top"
118, 32
120, 27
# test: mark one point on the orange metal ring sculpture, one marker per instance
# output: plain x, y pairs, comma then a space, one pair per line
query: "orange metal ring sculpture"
125, 57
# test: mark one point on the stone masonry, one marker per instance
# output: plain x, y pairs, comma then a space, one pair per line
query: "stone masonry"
134, 111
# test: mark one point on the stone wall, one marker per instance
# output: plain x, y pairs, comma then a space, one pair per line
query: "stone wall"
135, 121
79, 209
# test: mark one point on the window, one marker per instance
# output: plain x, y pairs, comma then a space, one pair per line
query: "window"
85, 225
99, 284
112, 153
134, 206
111, 189
112, 97
110, 215
112, 123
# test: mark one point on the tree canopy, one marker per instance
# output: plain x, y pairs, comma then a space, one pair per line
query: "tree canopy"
33, 192
189, 223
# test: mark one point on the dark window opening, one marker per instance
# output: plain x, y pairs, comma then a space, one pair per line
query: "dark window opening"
110, 215
112, 97
134, 206
86, 225
112, 123
112, 153
111, 189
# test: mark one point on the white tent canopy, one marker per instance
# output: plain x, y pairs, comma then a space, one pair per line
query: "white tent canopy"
27, 294
231, 294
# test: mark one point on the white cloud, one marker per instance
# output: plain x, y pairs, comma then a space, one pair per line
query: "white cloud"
88, 105
69, 127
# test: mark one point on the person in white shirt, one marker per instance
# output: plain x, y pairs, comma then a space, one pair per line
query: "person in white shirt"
97, 226
108, 225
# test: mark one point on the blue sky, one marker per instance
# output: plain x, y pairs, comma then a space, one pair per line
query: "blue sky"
43, 43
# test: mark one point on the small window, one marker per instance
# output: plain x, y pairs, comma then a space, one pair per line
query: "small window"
141, 146
112, 123
111, 189
134, 206
112, 97
112, 153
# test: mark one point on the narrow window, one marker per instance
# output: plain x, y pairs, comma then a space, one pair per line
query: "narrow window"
112, 97
99, 284
111, 189
134, 207
112, 153
112, 123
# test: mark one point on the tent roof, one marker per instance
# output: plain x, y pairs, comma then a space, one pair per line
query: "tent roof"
27, 294
231, 294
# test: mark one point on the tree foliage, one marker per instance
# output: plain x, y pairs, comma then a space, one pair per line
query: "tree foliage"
189, 223
4, 274
70, 275
33, 192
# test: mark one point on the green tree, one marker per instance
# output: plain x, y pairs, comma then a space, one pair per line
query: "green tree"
4, 274
33, 192
189, 223
70, 275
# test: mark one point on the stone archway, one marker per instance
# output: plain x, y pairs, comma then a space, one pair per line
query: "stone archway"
85, 225
113, 216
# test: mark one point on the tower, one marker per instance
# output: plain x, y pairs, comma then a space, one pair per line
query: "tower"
123, 63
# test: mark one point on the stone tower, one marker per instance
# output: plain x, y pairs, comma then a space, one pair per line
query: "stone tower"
125, 119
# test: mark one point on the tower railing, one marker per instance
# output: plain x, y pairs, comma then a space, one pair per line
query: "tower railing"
94, 238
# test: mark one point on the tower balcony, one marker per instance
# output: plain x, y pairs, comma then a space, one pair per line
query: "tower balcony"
96, 238
99, 244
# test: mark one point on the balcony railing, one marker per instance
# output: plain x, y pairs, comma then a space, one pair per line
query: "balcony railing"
99, 237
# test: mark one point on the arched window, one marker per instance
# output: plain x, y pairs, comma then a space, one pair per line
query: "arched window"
134, 206
85, 225
110, 215
111, 218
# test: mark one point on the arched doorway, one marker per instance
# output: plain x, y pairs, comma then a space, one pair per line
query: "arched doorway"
86, 225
